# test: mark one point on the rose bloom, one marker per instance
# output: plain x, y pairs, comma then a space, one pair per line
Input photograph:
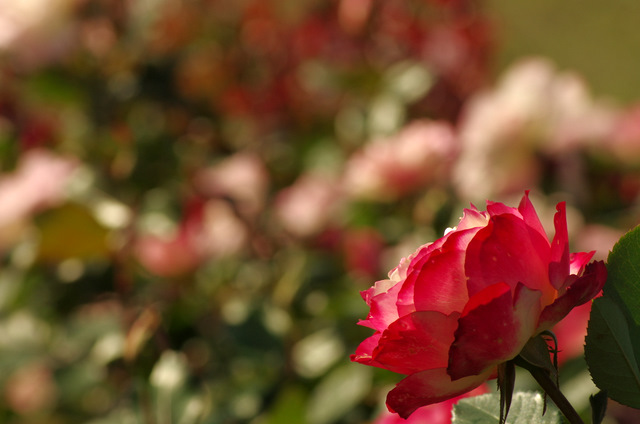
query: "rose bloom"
458, 307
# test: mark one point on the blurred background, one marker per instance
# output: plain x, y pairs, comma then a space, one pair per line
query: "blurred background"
193, 192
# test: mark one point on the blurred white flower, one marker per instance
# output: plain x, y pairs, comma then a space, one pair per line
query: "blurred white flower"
35, 30
534, 110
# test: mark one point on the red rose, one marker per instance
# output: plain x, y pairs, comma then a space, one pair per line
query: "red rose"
458, 307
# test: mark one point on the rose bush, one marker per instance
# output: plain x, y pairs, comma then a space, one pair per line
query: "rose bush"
458, 307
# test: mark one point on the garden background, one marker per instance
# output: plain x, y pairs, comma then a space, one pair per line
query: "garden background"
194, 192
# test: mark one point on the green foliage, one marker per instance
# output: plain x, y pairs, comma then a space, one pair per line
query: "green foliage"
526, 408
612, 345
610, 354
623, 281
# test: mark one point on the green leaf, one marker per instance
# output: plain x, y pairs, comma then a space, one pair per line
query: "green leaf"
610, 355
623, 273
526, 408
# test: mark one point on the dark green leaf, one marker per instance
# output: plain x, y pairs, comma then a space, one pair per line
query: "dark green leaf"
610, 354
623, 280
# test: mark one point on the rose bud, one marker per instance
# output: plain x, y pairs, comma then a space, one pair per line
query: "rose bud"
458, 307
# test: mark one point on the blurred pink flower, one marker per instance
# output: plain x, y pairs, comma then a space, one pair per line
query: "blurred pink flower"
599, 238
31, 389
309, 205
439, 413
209, 230
168, 256
624, 143
38, 183
420, 154
222, 233
242, 178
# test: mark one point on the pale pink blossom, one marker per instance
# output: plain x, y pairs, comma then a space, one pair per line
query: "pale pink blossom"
600, 238
624, 143
417, 156
222, 232
243, 178
309, 205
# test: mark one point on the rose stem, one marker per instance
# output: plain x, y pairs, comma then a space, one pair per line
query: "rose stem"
549, 386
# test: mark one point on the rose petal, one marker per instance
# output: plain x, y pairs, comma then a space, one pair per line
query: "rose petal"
578, 260
405, 300
438, 413
417, 342
529, 214
526, 308
581, 291
472, 218
429, 387
441, 284
383, 309
405, 303
559, 260
497, 208
493, 329
509, 251
379, 287
364, 352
